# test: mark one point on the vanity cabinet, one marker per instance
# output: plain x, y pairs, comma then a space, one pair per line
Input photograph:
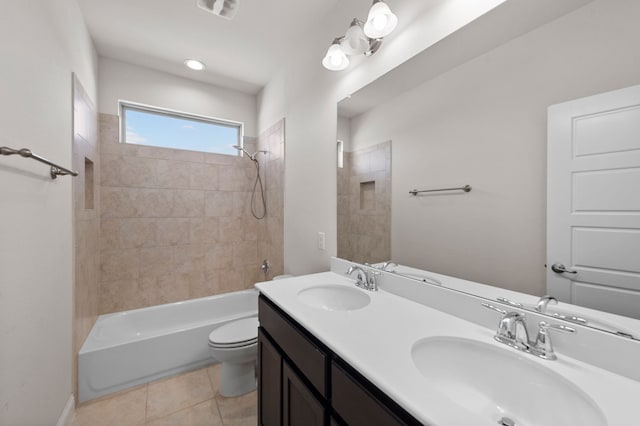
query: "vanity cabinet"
301, 382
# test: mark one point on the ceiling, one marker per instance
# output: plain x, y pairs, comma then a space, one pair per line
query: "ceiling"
241, 54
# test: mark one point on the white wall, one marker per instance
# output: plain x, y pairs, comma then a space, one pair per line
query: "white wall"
41, 43
484, 124
306, 95
123, 81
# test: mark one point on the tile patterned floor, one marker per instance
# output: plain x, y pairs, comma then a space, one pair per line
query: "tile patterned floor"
191, 399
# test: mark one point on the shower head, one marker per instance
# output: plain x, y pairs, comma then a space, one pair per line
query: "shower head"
251, 156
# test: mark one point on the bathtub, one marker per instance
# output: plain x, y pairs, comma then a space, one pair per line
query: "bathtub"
125, 349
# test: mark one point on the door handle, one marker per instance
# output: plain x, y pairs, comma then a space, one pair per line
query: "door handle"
559, 268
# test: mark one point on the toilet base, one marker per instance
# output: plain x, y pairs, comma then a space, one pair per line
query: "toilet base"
237, 379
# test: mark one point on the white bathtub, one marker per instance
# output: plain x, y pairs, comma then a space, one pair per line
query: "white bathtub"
129, 348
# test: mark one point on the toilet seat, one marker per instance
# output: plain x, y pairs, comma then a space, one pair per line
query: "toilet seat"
236, 334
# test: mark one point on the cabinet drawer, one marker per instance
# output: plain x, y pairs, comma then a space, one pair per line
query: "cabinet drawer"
304, 353
357, 405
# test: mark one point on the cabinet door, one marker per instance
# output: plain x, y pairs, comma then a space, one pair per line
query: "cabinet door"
299, 406
269, 382
355, 402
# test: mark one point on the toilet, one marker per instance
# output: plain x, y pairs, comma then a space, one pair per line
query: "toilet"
235, 345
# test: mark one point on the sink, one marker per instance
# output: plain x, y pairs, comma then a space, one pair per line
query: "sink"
495, 383
331, 297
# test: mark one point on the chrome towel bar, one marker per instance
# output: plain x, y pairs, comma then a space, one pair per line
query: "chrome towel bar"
26, 153
465, 188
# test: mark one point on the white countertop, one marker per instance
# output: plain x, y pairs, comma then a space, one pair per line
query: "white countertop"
377, 340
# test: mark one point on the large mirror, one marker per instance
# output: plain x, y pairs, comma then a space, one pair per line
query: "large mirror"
481, 120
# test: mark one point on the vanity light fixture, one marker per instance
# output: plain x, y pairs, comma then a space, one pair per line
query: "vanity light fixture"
361, 38
194, 64
381, 21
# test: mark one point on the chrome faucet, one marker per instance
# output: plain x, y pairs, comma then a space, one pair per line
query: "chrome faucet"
364, 279
386, 265
542, 308
512, 331
544, 302
512, 328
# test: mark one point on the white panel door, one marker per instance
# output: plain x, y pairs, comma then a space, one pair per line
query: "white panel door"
593, 202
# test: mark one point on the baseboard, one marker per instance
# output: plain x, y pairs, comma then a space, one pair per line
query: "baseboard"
66, 418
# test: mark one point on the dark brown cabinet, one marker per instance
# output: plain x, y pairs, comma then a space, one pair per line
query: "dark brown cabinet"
302, 383
299, 405
270, 383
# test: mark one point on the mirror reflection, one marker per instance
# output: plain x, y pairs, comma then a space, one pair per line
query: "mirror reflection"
487, 122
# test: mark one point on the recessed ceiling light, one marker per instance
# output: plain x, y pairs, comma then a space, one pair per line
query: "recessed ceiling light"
194, 64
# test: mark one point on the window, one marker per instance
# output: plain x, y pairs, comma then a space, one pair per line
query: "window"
145, 125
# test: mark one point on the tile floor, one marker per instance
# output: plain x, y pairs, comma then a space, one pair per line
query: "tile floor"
191, 399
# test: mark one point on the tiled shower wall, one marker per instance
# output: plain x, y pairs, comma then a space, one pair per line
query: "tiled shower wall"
271, 228
364, 204
86, 219
176, 224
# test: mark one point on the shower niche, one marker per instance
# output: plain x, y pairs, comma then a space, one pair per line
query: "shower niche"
364, 204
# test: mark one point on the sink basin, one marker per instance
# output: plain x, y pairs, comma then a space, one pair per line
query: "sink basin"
331, 297
495, 383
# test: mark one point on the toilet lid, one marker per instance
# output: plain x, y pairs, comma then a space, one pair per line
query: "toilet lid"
236, 333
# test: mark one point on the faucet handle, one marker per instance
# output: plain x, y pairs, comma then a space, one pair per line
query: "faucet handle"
543, 347
493, 308
372, 284
509, 302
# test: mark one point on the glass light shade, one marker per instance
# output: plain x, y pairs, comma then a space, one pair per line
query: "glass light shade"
335, 60
194, 64
355, 42
381, 21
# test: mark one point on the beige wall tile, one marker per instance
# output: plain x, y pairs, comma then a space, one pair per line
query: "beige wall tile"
245, 253
137, 233
233, 178
156, 261
242, 204
218, 256
121, 295
231, 229
119, 265
189, 259
219, 204
204, 176
174, 174
154, 202
230, 279
204, 230
118, 202
188, 203
158, 290
172, 231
